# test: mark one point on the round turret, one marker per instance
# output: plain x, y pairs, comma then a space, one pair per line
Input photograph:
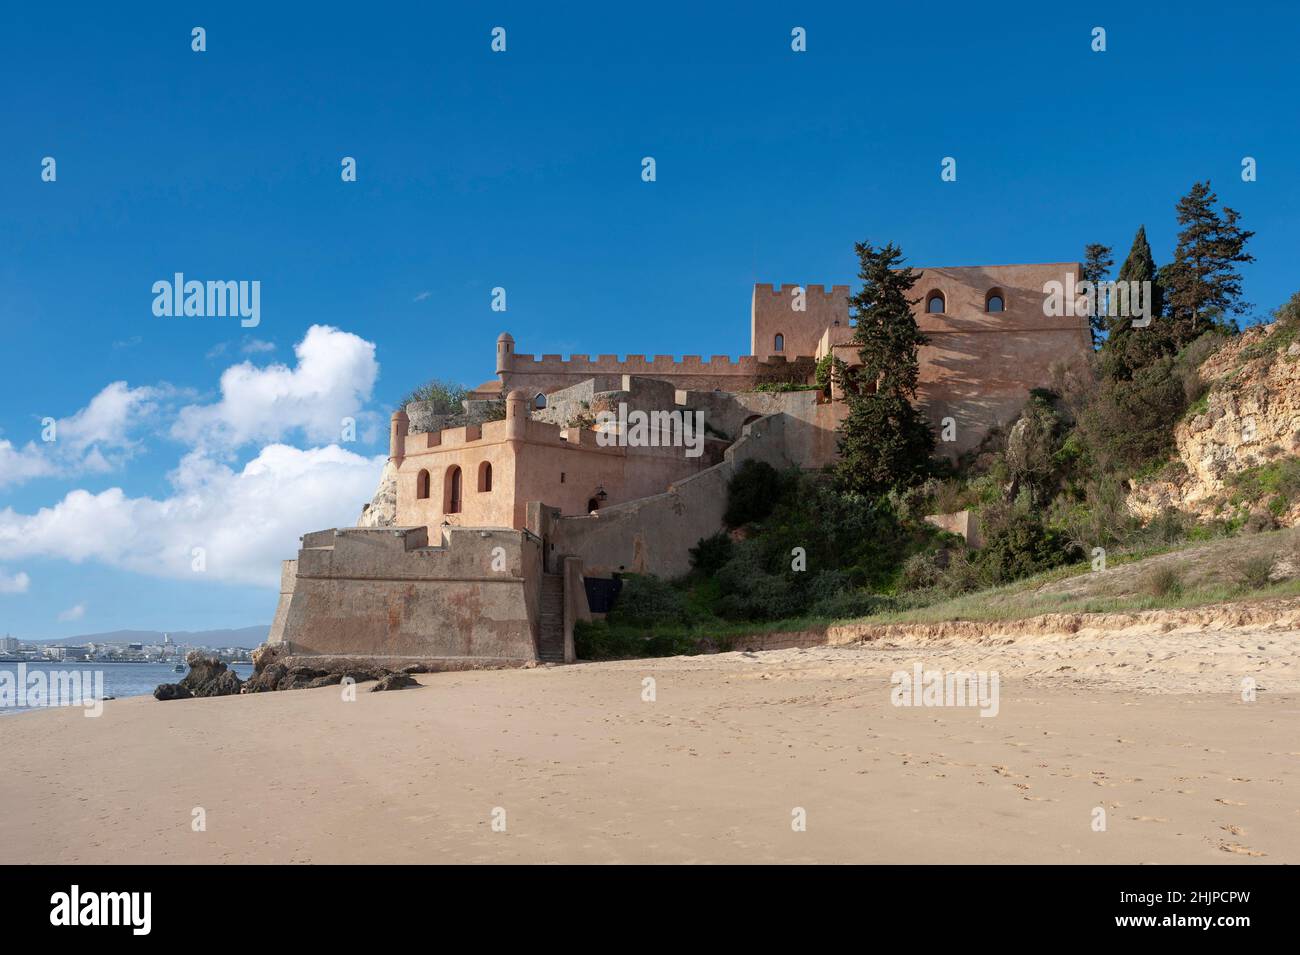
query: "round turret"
505, 348
398, 429
517, 413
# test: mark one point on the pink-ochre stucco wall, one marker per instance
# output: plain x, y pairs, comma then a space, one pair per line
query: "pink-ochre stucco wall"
394, 593
773, 313
531, 461
979, 366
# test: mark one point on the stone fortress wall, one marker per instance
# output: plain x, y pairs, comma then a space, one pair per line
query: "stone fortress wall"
774, 312
390, 593
382, 589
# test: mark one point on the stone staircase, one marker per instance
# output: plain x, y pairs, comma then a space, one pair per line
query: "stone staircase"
550, 641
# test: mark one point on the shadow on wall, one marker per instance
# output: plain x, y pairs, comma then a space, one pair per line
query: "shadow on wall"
653, 535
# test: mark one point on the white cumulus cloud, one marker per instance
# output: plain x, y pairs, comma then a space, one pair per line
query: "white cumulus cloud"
333, 379
237, 525
98, 438
73, 613
14, 583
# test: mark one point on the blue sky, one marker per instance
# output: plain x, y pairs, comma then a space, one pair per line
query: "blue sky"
522, 170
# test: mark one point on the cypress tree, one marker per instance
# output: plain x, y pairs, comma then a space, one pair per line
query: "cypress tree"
885, 442
1128, 349
1096, 265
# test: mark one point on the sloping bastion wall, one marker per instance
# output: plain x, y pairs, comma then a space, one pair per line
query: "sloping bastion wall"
385, 592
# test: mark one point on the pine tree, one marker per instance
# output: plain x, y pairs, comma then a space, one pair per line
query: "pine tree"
1128, 349
884, 442
1096, 265
1203, 286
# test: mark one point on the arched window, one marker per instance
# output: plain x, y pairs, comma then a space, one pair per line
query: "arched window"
422, 484
451, 501
540, 401
934, 303
485, 476
994, 302
779, 343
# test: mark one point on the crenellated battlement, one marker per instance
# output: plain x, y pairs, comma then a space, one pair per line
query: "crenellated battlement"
784, 322
629, 364
836, 293
542, 374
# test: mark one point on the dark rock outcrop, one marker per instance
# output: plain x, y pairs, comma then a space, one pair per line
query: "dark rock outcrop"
208, 676
225, 683
395, 681
266, 680
270, 673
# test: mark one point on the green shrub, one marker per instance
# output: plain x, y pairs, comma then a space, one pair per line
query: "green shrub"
1130, 422
708, 556
599, 640
645, 599
779, 387
920, 572
444, 397
752, 492
1101, 519
1169, 526
1254, 572
850, 604
1277, 481
1164, 580
1018, 544
1286, 330
962, 575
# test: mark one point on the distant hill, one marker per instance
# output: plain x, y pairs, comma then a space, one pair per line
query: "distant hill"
243, 637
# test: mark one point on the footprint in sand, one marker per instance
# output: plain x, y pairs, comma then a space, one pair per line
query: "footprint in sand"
1239, 849
1234, 830
1230, 802
1149, 819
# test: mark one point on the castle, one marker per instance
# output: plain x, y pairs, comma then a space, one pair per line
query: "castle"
490, 536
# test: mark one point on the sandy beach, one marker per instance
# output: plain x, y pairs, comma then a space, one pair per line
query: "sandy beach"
1146, 723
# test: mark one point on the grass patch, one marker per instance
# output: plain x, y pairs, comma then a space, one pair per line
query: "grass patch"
602, 640
1164, 580
995, 606
1278, 481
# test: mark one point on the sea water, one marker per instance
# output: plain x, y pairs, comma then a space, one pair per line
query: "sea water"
119, 679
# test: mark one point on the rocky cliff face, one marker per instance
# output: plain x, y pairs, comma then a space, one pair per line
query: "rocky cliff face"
382, 509
1250, 419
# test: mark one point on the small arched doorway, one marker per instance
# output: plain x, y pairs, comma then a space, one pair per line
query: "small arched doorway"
452, 502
